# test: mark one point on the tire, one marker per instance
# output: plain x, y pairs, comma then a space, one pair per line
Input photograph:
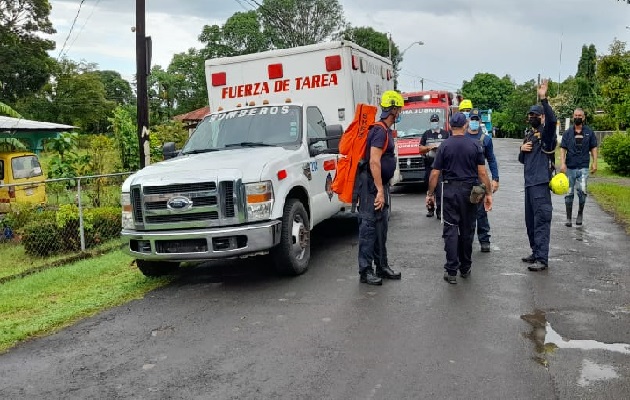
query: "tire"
154, 269
292, 254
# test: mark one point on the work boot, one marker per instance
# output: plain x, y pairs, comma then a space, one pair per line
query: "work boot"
578, 220
538, 266
569, 215
530, 259
451, 279
485, 247
387, 273
369, 278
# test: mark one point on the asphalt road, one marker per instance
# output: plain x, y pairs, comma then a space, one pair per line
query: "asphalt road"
232, 331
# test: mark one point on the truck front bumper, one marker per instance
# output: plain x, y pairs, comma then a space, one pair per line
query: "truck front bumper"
202, 244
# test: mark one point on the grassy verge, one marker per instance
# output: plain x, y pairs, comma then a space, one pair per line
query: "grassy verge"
22, 263
45, 302
614, 198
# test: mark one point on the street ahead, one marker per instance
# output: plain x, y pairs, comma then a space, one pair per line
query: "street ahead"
233, 331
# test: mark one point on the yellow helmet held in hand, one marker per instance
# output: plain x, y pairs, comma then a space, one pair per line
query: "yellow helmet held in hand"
392, 98
559, 184
465, 105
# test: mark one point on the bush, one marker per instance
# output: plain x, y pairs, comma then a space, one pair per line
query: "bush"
616, 151
106, 225
41, 238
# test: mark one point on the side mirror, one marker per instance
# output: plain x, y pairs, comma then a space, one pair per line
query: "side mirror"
333, 133
168, 150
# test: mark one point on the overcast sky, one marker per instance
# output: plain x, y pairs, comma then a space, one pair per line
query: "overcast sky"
461, 38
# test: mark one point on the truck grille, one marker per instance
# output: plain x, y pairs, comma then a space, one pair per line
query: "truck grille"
187, 205
411, 163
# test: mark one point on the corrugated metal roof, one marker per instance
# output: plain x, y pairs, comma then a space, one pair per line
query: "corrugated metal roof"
8, 124
195, 115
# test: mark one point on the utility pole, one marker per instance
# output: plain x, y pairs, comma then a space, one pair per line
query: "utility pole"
141, 85
422, 84
538, 97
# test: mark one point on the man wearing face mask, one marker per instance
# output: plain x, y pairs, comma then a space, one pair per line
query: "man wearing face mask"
578, 145
431, 140
474, 132
375, 172
536, 154
465, 106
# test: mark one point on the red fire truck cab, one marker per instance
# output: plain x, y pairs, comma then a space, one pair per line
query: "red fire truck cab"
419, 106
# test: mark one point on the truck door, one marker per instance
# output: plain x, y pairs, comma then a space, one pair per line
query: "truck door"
323, 168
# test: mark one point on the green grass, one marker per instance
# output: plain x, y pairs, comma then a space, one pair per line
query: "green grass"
613, 198
22, 263
45, 302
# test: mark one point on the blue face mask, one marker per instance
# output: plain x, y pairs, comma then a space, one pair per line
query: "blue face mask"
398, 118
466, 113
474, 125
435, 125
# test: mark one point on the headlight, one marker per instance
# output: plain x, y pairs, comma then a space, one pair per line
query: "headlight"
127, 213
259, 200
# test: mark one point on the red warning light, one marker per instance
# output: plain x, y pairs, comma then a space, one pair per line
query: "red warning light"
218, 79
275, 71
333, 63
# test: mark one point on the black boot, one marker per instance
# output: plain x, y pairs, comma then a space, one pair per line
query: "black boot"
578, 220
387, 273
569, 215
369, 278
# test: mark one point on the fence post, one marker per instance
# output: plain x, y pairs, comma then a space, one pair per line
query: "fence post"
81, 229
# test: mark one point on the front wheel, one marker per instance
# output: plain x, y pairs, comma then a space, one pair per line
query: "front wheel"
292, 254
155, 269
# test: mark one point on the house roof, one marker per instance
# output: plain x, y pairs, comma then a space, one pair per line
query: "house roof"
11, 125
195, 115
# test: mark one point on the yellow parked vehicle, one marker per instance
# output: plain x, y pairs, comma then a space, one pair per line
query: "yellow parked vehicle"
23, 170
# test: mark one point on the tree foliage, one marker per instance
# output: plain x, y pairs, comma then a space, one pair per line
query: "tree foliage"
291, 23
378, 42
488, 91
613, 74
24, 62
586, 85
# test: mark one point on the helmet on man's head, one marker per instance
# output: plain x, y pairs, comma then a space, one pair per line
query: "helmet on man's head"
465, 105
392, 98
559, 184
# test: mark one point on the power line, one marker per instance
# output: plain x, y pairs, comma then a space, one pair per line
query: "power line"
242, 5
82, 27
71, 28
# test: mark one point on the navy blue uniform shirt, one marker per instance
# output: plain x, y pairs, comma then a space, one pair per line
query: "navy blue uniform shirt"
578, 147
458, 158
376, 138
488, 151
537, 163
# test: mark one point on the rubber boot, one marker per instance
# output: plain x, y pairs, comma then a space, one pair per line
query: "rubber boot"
578, 220
569, 215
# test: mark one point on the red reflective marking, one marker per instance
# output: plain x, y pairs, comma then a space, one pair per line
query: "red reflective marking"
333, 63
218, 79
330, 165
275, 71
282, 174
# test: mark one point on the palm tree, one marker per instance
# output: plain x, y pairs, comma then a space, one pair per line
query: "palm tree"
8, 111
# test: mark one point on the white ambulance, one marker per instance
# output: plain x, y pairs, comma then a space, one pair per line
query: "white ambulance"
255, 176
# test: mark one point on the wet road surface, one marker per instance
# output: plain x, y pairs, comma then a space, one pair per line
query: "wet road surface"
233, 331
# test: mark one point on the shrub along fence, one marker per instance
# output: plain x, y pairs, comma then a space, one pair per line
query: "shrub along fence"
80, 213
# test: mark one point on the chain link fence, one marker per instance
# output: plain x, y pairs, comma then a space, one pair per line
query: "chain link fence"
53, 221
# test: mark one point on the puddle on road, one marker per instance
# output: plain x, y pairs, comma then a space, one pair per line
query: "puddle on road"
593, 372
547, 340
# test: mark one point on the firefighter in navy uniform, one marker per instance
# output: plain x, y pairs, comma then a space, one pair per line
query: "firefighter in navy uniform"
537, 157
431, 140
462, 164
375, 172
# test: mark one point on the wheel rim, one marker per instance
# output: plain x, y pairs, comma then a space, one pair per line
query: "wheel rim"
300, 236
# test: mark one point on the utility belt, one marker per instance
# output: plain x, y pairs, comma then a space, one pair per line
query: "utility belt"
457, 183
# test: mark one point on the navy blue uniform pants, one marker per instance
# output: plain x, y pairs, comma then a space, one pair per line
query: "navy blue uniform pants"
459, 216
428, 162
481, 224
372, 225
538, 210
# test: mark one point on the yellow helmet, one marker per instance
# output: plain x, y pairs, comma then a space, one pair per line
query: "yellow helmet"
465, 104
559, 184
392, 98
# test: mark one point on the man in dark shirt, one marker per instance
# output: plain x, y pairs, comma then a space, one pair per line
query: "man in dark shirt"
537, 157
578, 145
431, 140
462, 164
373, 188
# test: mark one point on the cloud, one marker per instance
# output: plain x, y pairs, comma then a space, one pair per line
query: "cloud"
520, 39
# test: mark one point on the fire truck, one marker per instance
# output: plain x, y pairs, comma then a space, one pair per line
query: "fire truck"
419, 106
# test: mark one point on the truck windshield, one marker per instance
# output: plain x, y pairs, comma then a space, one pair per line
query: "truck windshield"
250, 127
417, 120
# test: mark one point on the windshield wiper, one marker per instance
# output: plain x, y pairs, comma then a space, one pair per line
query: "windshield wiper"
200, 151
250, 144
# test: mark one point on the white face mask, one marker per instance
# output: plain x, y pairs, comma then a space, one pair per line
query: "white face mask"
435, 125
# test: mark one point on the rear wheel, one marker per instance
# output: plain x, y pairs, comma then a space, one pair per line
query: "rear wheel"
292, 254
157, 268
